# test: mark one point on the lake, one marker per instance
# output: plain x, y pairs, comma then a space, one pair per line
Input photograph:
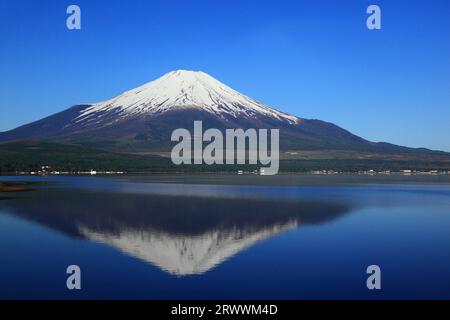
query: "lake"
226, 237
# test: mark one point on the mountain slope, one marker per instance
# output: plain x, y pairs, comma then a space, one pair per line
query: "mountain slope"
178, 90
143, 119
31, 155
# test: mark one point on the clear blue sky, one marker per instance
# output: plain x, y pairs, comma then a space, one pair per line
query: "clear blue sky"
314, 59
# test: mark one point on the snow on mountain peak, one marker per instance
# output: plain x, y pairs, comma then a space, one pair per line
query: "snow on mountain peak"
184, 89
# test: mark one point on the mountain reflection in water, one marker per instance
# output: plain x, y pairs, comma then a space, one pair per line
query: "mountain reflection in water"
182, 235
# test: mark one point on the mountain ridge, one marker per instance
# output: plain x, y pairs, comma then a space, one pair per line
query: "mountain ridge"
143, 118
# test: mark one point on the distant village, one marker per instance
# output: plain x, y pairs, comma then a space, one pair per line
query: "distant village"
47, 170
367, 172
387, 172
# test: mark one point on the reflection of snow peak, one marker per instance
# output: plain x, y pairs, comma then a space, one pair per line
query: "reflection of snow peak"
185, 255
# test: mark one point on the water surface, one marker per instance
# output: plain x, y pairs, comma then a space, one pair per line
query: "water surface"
213, 236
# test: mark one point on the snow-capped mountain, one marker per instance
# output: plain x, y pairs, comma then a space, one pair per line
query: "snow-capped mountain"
143, 119
178, 90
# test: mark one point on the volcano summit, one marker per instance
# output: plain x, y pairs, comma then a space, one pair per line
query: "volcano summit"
143, 119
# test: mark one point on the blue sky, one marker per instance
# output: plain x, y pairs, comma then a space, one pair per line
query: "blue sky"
314, 59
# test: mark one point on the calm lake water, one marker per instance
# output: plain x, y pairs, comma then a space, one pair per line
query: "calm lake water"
214, 237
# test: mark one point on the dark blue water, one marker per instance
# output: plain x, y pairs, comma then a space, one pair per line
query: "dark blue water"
134, 238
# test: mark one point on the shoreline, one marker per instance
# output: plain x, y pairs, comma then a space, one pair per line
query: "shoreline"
282, 179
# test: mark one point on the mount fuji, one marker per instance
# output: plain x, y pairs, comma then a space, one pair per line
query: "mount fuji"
143, 119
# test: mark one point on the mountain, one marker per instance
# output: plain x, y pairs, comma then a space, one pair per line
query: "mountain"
184, 254
146, 222
143, 119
